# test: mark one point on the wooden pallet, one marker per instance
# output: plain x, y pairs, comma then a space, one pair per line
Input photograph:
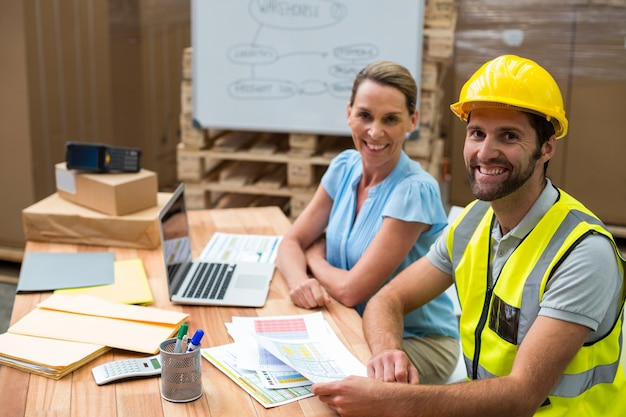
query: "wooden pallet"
257, 168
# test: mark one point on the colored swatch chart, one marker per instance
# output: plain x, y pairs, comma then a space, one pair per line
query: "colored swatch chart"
289, 329
224, 358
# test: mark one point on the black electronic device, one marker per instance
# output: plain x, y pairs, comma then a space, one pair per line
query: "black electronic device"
99, 157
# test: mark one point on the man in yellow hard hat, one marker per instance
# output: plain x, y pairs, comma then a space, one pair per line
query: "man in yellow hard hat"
539, 278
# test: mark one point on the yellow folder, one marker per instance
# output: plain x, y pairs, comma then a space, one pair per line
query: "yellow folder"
130, 285
89, 319
51, 358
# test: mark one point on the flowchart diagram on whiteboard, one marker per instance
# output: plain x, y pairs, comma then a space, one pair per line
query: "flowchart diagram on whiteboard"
288, 65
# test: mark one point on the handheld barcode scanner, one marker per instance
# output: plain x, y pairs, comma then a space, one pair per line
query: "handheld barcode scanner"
99, 157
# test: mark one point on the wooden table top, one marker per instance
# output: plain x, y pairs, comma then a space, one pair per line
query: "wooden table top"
77, 394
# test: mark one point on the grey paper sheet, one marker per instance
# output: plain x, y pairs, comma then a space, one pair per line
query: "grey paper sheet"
48, 271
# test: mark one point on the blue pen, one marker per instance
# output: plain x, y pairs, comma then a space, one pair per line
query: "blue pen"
195, 340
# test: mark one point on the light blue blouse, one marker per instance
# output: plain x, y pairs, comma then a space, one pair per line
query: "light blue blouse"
410, 194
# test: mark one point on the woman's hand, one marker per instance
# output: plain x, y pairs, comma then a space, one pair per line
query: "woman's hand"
309, 294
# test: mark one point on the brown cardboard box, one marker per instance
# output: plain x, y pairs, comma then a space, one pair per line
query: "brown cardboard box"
593, 164
111, 193
55, 219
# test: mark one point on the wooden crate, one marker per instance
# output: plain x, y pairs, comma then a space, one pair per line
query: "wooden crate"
440, 13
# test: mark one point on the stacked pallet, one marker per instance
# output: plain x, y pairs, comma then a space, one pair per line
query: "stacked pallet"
309, 155
224, 169
440, 18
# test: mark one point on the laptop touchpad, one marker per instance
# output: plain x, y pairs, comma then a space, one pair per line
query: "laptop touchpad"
251, 282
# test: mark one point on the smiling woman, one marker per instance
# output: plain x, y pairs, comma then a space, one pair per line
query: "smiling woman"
375, 212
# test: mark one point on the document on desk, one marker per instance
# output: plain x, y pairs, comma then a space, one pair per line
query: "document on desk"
317, 360
303, 343
241, 247
224, 358
250, 355
88, 319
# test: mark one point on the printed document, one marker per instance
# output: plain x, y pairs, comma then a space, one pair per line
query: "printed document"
283, 352
224, 358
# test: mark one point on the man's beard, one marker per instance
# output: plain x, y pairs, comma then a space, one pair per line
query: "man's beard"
508, 186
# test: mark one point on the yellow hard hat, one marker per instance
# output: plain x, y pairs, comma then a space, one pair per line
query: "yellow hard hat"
510, 80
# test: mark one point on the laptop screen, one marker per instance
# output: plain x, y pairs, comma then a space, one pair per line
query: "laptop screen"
175, 236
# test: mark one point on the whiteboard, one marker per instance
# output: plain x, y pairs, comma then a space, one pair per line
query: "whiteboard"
289, 65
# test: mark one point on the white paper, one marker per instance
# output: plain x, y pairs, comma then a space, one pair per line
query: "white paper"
223, 357
254, 357
304, 343
318, 360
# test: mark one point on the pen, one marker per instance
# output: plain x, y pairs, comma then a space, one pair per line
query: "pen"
195, 340
178, 348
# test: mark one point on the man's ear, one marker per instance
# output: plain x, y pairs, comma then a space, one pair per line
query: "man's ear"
548, 148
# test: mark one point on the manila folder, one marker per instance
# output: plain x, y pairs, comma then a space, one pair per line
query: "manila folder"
89, 319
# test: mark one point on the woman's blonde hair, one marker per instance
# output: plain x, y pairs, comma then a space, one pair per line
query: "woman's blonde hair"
390, 74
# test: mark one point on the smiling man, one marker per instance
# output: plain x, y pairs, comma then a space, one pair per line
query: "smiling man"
540, 279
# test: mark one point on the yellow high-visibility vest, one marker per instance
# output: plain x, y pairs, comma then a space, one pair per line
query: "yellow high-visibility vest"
495, 320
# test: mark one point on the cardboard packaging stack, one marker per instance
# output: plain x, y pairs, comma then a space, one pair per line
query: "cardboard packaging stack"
110, 209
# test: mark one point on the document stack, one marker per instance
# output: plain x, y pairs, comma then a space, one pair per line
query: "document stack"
275, 359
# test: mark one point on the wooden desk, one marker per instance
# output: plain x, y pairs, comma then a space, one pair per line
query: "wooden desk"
24, 394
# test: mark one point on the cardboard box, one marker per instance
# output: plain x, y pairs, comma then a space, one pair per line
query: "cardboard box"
117, 194
55, 219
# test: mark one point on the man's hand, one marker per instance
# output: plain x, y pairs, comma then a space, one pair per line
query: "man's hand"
392, 365
356, 396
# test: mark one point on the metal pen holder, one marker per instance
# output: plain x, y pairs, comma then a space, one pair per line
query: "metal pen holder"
181, 373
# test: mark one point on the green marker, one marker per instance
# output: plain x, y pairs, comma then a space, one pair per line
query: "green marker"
182, 332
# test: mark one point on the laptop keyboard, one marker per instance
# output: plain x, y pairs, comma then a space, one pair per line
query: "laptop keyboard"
210, 281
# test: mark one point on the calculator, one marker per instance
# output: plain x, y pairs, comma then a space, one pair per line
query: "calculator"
126, 368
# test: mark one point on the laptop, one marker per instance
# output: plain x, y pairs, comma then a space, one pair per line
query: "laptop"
206, 282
